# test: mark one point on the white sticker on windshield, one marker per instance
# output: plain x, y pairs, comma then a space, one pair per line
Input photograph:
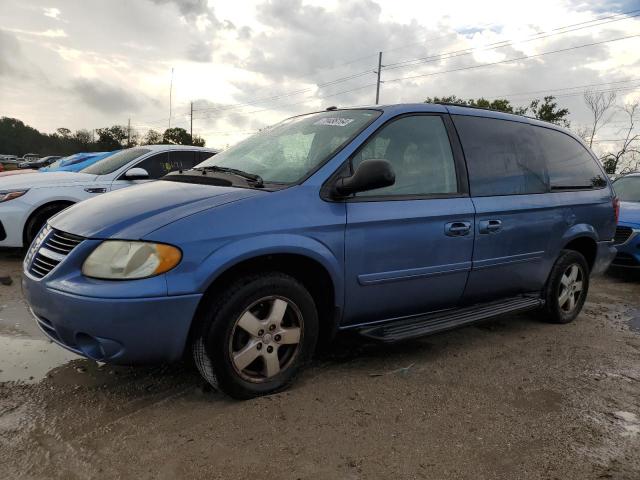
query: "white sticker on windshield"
334, 122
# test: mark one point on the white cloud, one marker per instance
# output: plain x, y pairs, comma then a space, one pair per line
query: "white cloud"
52, 12
57, 33
248, 64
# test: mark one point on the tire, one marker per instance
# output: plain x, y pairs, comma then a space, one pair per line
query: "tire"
259, 317
37, 221
562, 304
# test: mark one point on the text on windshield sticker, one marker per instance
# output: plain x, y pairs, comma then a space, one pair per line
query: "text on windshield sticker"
334, 122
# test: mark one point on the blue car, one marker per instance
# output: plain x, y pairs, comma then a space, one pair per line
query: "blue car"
391, 221
79, 165
75, 162
627, 238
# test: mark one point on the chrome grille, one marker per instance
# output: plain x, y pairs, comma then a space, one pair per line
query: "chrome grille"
49, 248
61, 242
622, 235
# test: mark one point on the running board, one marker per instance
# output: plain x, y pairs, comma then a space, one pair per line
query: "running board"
413, 327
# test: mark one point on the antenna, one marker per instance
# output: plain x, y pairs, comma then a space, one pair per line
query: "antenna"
170, 96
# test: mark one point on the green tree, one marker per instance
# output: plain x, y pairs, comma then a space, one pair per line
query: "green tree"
548, 110
112, 138
176, 136
152, 137
499, 104
63, 132
198, 141
17, 138
82, 137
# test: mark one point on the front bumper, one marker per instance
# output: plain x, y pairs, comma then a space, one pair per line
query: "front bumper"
628, 252
14, 214
126, 331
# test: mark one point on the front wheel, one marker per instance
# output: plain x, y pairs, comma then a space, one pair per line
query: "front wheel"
253, 338
567, 287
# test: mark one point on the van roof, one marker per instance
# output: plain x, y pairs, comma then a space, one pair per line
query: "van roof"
455, 109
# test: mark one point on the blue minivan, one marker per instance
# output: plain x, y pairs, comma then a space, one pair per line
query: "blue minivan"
391, 221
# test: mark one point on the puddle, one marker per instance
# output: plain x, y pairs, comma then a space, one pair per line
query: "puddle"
629, 422
634, 324
28, 360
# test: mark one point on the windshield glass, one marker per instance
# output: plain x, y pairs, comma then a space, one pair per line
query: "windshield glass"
59, 161
628, 188
115, 161
291, 149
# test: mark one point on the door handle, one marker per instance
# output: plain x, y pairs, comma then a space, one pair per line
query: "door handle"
457, 229
489, 226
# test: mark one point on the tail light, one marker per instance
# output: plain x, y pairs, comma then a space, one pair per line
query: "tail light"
616, 207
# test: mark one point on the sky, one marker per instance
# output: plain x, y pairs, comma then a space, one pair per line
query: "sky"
248, 64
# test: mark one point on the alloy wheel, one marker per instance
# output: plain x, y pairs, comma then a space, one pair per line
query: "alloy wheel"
571, 288
266, 338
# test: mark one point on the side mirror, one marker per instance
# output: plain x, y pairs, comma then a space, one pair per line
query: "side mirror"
136, 174
369, 175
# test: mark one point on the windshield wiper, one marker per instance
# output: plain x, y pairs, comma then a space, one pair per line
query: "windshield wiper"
255, 179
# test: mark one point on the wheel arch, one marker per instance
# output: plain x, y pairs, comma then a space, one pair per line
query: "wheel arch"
39, 209
584, 240
305, 259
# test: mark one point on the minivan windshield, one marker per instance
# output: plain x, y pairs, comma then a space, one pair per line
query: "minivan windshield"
115, 161
628, 188
291, 149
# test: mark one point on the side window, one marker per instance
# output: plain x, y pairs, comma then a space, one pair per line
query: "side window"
419, 151
202, 156
503, 157
155, 165
181, 160
570, 164
162, 163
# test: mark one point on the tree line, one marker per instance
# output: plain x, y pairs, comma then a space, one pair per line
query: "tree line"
16, 138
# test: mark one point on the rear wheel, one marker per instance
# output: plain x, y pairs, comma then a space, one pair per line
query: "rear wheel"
567, 287
254, 337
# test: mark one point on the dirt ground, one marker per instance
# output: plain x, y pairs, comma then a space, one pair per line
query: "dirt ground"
515, 398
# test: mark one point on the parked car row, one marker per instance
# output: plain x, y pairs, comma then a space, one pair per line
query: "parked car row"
39, 162
37, 196
391, 221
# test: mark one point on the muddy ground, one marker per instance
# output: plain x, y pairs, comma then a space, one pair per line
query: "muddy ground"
515, 398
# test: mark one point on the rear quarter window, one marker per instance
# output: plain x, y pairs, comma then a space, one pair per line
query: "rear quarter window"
570, 165
503, 157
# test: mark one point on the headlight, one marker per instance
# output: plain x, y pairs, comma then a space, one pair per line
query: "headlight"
124, 260
7, 195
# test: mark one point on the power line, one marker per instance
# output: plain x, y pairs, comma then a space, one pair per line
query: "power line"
565, 88
434, 57
277, 97
278, 107
496, 45
368, 72
523, 57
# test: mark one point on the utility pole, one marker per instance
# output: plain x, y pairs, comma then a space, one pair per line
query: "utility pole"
129, 133
170, 96
378, 72
191, 118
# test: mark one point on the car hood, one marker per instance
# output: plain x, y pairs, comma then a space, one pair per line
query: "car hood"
43, 180
131, 213
630, 213
9, 173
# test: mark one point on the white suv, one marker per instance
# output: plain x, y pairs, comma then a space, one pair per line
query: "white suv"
27, 201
